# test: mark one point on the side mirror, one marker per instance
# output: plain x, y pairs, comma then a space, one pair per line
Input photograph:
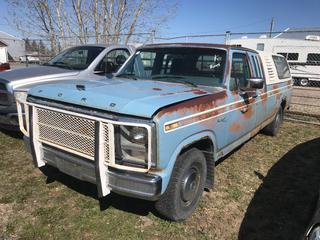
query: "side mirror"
256, 83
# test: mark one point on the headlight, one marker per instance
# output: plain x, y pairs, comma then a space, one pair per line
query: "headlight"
133, 145
314, 234
21, 96
135, 134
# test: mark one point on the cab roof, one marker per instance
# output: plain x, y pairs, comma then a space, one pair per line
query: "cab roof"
197, 45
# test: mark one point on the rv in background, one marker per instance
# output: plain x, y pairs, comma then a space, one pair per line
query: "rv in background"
301, 48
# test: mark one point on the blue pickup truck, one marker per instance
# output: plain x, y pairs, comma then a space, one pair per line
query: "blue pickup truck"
156, 130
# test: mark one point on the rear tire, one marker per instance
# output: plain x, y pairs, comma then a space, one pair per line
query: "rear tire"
273, 128
185, 188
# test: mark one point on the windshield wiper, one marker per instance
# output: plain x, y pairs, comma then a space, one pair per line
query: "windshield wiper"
175, 77
59, 64
187, 83
128, 75
166, 76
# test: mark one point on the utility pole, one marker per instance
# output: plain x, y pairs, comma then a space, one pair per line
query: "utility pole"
271, 27
227, 38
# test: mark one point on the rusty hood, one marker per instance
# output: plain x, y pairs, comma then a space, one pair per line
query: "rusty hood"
125, 96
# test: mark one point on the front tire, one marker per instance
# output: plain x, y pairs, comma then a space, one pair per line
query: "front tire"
185, 188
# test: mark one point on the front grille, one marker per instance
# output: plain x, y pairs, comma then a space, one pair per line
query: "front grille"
71, 133
75, 133
107, 142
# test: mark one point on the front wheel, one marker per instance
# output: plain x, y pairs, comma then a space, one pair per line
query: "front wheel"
185, 188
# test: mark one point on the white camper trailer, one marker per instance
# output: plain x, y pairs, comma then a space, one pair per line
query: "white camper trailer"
302, 52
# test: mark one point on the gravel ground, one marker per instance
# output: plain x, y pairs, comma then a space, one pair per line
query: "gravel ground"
306, 101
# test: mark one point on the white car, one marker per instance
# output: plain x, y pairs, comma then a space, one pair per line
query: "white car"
31, 59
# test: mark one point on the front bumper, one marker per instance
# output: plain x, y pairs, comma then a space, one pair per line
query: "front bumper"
139, 185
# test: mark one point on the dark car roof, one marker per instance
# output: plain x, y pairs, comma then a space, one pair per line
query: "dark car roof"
201, 45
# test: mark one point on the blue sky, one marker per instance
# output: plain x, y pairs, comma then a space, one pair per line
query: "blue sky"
212, 16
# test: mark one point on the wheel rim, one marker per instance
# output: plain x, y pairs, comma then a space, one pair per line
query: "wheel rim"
304, 82
278, 120
190, 184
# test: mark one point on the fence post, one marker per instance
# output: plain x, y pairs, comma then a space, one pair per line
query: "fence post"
27, 61
227, 38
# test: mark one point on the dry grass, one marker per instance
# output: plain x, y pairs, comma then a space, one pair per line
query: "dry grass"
264, 190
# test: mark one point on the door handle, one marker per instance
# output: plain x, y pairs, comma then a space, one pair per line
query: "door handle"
245, 109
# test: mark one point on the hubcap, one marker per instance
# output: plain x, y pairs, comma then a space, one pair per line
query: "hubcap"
190, 184
304, 82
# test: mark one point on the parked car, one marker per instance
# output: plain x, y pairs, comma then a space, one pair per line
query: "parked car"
4, 66
82, 62
31, 59
156, 130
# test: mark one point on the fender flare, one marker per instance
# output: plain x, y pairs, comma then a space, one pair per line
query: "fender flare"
166, 175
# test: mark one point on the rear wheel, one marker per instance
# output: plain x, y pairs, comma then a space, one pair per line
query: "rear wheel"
273, 128
185, 188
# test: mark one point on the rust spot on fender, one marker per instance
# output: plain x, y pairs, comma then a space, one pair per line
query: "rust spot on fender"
235, 127
156, 89
166, 94
196, 105
196, 91
264, 98
199, 92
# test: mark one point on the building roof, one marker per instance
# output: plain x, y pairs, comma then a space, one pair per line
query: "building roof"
6, 36
299, 33
2, 44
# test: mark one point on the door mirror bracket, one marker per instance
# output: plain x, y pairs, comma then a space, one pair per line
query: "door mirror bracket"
256, 83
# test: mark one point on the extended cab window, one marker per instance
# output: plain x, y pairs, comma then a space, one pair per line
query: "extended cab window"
196, 66
112, 61
240, 71
282, 67
255, 62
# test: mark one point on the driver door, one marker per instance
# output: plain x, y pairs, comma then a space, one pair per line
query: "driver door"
242, 112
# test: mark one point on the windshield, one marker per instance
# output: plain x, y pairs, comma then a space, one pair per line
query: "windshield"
77, 58
194, 66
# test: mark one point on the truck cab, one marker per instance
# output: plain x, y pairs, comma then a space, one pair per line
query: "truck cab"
156, 130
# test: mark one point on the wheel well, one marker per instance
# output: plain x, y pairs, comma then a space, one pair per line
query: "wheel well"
206, 146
